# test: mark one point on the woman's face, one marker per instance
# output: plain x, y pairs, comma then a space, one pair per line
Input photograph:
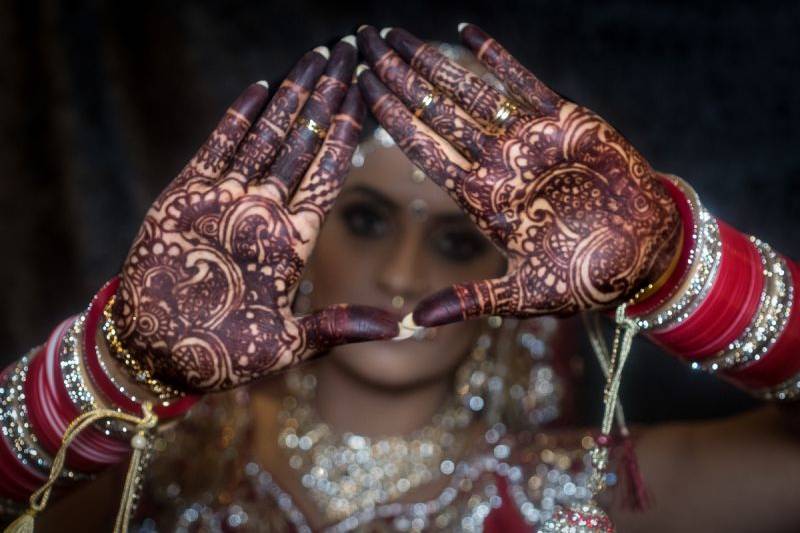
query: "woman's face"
389, 241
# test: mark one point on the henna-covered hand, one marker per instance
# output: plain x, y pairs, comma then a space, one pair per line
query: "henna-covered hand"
577, 210
206, 292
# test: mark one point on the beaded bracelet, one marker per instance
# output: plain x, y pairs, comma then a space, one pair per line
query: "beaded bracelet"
140, 373
52, 410
100, 375
77, 381
774, 309
18, 474
776, 374
16, 424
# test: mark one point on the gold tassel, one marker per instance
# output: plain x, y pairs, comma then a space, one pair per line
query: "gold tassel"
139, 442
23, 524
588, 517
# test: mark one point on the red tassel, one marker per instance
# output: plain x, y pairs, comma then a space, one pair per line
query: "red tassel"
636, 497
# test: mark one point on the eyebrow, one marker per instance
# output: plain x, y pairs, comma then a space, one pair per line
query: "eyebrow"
374, 194
457, 216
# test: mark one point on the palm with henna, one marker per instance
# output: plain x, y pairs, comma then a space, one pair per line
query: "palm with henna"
206, 290
577, 210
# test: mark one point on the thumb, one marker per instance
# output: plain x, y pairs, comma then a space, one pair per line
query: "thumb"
500, 296
343, 324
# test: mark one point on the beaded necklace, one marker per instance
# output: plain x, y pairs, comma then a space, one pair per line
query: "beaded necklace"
348, 473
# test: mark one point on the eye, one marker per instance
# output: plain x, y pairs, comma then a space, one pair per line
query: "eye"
364, 220
459, 244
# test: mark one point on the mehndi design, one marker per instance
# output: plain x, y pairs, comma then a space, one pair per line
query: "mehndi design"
207, 287
575, 207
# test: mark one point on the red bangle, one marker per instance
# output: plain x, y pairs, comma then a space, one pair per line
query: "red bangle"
729, 306
782, 361
43, 418
695, 272
165, 410
91, 443
51, 412
18, 481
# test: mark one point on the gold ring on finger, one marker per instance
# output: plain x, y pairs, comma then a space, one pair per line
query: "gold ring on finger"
425, 103
313, 126
504, 112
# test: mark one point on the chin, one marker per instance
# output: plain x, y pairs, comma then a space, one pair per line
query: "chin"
397, 365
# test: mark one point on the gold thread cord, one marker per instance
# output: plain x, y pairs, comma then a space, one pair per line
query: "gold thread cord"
38, 500
612, 363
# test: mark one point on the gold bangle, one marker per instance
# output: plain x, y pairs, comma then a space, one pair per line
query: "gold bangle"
140, 373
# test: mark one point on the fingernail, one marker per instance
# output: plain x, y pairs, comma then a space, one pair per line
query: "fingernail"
408, 323
404, 334
362, 27
461, 26
263, 83
407, 328
361, 68
323, 51
385, 32
350, 39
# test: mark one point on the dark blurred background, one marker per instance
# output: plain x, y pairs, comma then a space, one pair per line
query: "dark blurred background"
102, 103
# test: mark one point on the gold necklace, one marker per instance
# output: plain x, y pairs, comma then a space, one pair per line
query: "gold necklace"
347, 473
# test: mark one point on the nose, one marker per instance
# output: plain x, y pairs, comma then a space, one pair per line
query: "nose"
403, 273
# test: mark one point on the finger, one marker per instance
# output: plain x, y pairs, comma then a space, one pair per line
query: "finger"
432, 154
520, 81
214, 157
259, 147
477, 97
343, 324
324, 179
307, 133
434, 108
464, 301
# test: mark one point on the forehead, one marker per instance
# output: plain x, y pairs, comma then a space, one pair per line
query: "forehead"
388, 170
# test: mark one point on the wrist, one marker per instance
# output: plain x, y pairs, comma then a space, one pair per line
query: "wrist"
122, 379
673, 266
669, 254
118, 375
68, 409
665, 265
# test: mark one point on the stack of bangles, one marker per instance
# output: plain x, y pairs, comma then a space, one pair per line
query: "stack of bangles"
729, 306
46, 390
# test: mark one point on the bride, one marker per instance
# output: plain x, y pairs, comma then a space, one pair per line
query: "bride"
456, 416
